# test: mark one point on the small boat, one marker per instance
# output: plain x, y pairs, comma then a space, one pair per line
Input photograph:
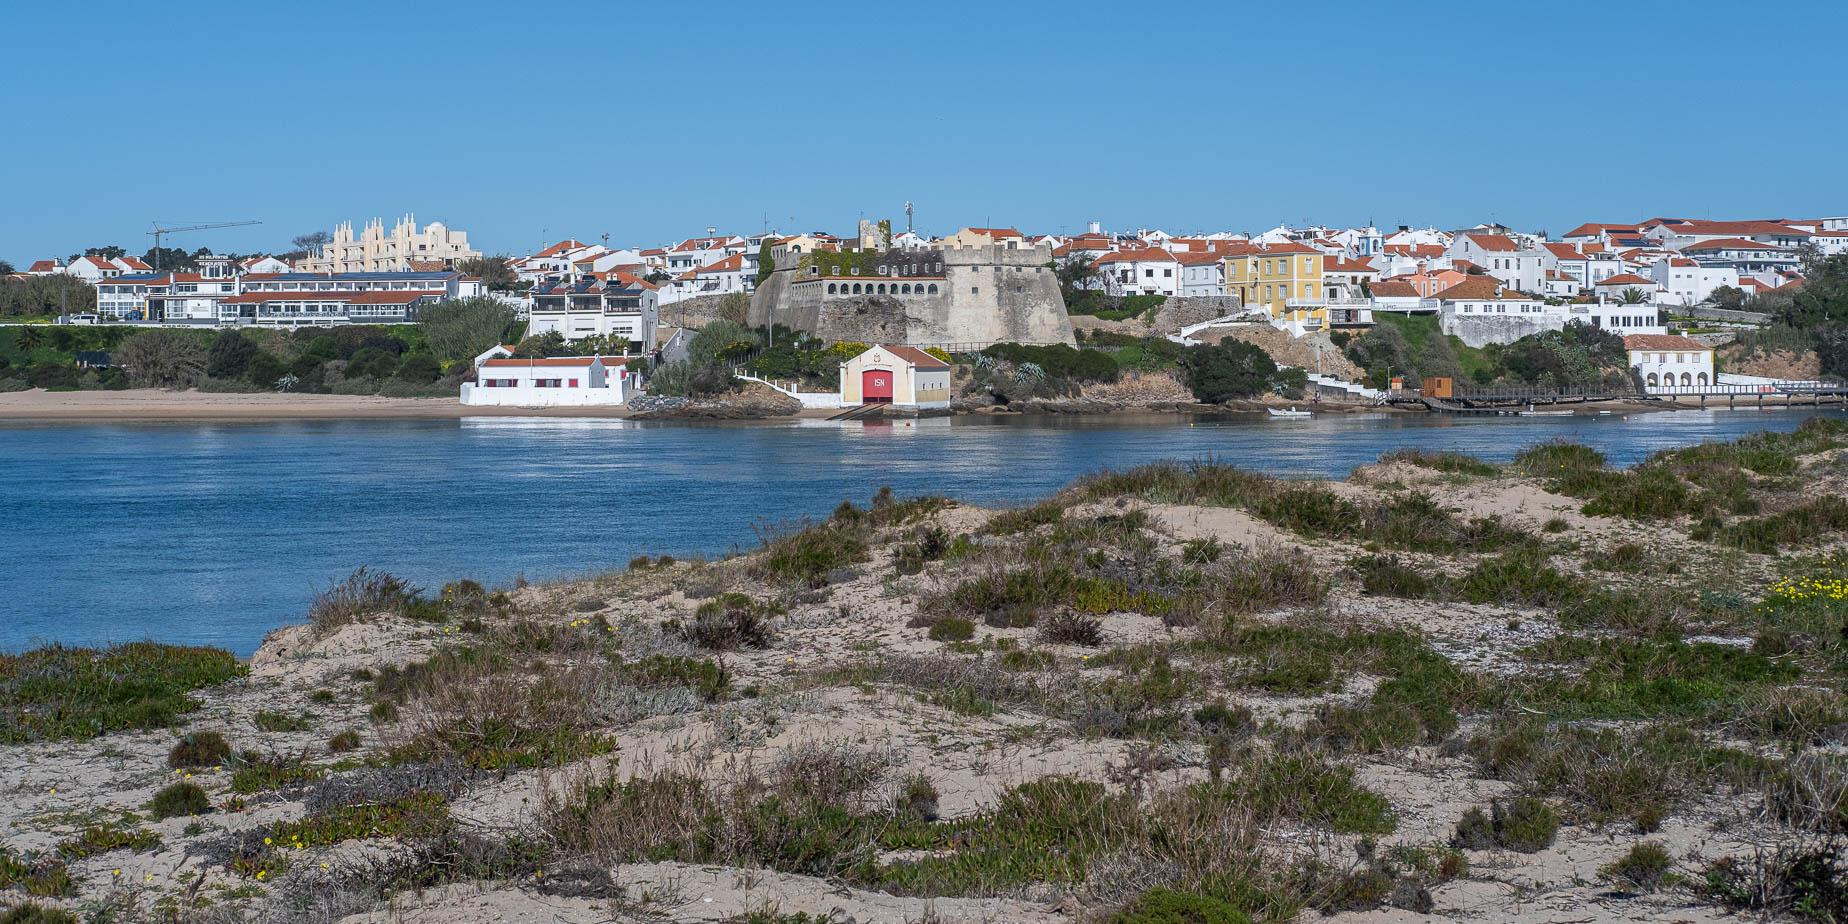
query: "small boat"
1291, 414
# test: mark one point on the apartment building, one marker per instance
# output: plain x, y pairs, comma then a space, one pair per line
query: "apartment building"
403, 248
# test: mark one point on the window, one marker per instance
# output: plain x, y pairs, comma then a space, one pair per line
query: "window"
574, 383
973, 290
933, 288
1167, 273
1148, 274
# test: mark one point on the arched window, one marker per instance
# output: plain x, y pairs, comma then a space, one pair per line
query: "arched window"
856, 291
1686, 380
831, 288
906, 288
933, 288
1701, 379
1652, 380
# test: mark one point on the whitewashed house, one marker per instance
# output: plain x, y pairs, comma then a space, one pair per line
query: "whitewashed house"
560, 381
1142, 271
1669, 362
1618, 288
1202, 274
1687, 282
1502, 258
591, 307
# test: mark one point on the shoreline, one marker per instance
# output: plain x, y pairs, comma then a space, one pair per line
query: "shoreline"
146, 404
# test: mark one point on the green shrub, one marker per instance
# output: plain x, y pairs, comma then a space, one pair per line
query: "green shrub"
1068, 628
344, 741
29, 913
62, 692
1452, 462
1023, 519
1385, 576
1165, 906
730, 622
952, 629
183, 798
103, 838
706, 677
199, 749
271, 721
1642, 868
808, 556
1202, 551
918, 799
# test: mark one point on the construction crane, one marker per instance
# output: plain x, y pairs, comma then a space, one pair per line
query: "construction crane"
158, 231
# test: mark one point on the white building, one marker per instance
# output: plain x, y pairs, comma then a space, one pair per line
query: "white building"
561, 381
722, 277
1631, 289
622, 305
1687, 283
1142, 271
897, 375
1669, 362
1502, 258
374, 250
1202, 274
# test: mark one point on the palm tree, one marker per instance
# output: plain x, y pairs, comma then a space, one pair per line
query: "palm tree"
27, 337
1633, 296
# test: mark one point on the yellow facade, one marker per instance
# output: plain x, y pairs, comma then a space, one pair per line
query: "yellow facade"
1271, 277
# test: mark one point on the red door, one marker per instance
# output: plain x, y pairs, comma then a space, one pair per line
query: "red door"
876, 386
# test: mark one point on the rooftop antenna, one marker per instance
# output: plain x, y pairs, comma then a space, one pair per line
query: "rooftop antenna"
606, 239
909, 209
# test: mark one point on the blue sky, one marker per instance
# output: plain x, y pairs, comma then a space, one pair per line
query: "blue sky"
518, 122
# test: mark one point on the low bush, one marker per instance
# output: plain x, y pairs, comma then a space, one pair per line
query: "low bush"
104, 838
1068, 628
706, 677
1166, 906
952, 629
809, 555
731, 622
63, 692
1526, 825
199, 749
918, 799
344, 741
1452, 462
47, 877
363, 593
30, 913
1797, 525
1641, 869
1803, 881
272, 721
183, 798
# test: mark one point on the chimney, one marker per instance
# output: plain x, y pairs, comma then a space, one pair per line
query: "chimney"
1097, 227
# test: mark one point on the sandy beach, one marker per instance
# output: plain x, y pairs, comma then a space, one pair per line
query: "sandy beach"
152, 404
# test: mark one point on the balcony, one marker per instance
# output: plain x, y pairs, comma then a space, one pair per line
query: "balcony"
1327, 302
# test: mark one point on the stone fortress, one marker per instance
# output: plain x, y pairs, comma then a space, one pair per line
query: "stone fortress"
949, 293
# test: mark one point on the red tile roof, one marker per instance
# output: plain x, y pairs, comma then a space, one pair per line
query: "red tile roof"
1564, 251
1663, 342
558, 248
916, 357
1494, 242
1626, 279
731, 264
1143, 255
1392, 288
1733, 228
553, 361
1727, 243
1481, 287
43, 266
1590, 229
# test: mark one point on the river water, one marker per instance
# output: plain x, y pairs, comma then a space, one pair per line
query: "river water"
216, 533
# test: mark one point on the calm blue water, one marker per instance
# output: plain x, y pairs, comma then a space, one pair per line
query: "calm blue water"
216, 533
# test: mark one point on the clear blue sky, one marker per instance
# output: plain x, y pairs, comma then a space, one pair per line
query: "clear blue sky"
652, 121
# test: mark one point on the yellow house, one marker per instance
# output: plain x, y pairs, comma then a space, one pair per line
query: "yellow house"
1284, 279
